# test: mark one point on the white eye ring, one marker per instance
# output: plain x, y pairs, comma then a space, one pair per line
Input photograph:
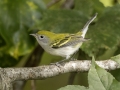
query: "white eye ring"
41, 36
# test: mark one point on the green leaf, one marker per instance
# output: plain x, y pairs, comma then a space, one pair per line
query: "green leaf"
6, 60
98, 6
39, 4
116, 72
69, 21
73, 87
16, 18
2, 42
89, 6
98, 79
105, 34
84, 6
116, 58
115, 85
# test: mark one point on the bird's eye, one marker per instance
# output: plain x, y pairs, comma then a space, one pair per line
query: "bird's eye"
41, 36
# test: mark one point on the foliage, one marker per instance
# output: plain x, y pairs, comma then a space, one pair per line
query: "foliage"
98, 78
19, 18
14, 28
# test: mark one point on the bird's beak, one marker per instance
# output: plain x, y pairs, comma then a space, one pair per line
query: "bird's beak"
33, 35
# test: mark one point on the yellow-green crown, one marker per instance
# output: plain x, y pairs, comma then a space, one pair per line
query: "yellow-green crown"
44, 32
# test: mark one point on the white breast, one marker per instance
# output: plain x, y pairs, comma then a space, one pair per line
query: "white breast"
63, 51
66, 51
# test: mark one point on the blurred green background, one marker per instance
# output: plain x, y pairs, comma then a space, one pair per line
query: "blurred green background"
19, 18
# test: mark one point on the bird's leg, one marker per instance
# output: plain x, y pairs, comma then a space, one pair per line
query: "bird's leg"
72, 57
62, 60
58, 63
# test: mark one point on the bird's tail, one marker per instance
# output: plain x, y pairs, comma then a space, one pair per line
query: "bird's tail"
85, 28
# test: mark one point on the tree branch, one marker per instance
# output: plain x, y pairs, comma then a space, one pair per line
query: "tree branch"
68, 4
42, 72
46, 71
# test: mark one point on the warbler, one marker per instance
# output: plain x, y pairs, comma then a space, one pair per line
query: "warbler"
62, 44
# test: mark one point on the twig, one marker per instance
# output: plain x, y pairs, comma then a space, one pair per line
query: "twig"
35, 57
68, 4
33, 85
71, 78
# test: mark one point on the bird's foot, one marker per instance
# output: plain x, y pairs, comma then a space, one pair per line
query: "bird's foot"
59, 62
73, 59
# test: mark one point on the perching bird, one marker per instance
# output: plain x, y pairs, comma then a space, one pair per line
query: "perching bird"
62, 44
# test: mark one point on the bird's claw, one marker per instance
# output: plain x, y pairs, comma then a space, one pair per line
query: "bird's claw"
57, 64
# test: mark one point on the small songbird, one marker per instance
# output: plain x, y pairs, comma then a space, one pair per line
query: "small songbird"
62, 44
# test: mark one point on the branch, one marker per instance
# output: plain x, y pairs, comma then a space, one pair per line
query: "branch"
46, 71
71, 78
42, 72
35, 57
68, 4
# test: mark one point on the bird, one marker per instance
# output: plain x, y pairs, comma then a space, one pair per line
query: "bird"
62, 44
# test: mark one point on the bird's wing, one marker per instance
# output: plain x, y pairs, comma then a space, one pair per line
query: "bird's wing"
60, 41
68, 40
